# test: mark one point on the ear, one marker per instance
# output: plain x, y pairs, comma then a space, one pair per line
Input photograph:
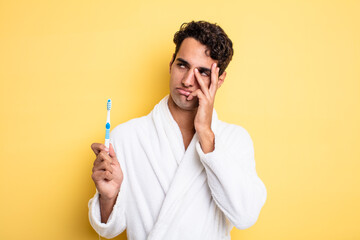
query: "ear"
221, 79
171, 62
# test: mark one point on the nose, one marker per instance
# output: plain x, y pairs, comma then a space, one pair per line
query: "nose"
189, 79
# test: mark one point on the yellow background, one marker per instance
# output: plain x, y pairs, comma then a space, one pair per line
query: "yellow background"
294, 84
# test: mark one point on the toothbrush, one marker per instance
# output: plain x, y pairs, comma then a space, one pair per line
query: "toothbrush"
107, 126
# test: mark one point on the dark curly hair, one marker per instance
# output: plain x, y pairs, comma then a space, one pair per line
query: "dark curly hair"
210, 35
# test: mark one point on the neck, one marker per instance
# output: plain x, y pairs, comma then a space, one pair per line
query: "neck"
184, 118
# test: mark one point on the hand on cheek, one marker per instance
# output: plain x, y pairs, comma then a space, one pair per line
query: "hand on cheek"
206, 96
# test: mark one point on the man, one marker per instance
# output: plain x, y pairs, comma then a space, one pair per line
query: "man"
179, 172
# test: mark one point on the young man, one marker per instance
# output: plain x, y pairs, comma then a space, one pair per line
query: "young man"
179, 172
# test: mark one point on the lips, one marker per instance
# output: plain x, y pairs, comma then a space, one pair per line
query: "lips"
183, 91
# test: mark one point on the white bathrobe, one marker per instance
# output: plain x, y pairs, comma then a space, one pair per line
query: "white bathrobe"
169, 193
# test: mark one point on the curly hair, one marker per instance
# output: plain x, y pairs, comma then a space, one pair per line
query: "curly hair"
210, 35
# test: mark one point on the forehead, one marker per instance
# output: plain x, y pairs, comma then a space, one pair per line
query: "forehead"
195, 53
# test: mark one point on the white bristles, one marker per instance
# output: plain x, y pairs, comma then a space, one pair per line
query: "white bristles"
108, 104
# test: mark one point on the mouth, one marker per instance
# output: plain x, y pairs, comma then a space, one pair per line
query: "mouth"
183, 91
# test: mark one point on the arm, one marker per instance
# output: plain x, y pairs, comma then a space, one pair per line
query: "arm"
106, 207
107, 210
232, 178
115, 223
228, 159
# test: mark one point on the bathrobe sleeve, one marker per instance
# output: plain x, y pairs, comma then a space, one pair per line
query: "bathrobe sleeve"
232, 178
116, 223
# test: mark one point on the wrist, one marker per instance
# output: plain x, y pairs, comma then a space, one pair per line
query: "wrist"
207, 141
106, 207
107, 199
205, 133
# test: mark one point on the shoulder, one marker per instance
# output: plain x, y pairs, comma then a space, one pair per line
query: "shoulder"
131, 127
232, 133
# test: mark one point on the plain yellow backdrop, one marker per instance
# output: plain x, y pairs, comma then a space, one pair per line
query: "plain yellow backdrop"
294, 84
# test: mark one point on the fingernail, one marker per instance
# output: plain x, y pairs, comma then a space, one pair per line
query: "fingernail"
106, 149
215, 64
196, 70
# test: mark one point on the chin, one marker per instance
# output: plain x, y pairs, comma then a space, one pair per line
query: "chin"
182, 103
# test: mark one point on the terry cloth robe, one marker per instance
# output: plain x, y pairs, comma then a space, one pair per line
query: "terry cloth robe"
172, 193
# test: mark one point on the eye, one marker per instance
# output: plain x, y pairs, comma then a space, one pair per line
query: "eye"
204, 74
181, 65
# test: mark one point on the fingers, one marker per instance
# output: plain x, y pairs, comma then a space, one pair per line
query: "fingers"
197, 93
98, 147
100, 175
111, 151
100, 165
106, 164
214, 79
203, 86
113, 155
104, 167
104, 156
211, 91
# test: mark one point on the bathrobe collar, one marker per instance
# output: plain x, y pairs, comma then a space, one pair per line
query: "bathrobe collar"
189, 171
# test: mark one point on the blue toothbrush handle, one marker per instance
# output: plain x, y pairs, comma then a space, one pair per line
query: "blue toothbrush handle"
107, 135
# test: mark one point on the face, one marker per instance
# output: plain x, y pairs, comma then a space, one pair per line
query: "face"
192, 54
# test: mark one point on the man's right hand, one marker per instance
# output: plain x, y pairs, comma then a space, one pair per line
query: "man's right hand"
107, 174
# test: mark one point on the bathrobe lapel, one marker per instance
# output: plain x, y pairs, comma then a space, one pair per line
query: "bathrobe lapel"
189, 172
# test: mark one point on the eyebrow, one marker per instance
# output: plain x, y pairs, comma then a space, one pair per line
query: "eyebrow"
201, 69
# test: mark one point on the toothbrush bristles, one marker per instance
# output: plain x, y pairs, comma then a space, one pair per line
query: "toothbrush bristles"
108, 104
